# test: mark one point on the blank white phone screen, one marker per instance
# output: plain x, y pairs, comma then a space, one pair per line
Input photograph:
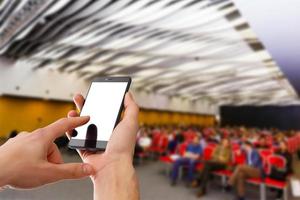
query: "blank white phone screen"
102, 105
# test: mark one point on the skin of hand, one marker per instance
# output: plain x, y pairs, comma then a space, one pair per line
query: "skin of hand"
221, 159
32, 159
115, 177
191, 155
194, 156
186, 155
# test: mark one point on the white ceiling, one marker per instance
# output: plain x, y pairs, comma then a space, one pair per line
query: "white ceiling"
189, 48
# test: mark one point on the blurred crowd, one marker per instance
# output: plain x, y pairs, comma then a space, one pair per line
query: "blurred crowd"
239, 154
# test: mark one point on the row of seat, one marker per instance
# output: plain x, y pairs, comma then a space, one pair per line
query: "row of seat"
269, 160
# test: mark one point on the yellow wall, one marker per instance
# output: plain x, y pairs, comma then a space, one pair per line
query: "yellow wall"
151, 117
26, 114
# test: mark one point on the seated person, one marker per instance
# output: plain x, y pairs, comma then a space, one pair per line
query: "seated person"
214, 138
262, 143
179, 136
220, 160
281, 174
144, 141
163, 142
253, 169
189, 159
283, 151
202, 140
172, 143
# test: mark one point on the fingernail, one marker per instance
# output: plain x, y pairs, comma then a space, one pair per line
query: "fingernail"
87, 169
76, 96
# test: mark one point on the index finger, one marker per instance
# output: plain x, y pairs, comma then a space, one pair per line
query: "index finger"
63, 125
79, 101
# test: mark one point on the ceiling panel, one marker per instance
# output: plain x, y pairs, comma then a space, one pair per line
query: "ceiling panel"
194, 49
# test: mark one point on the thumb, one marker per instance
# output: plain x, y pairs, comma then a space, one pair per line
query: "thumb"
57, 172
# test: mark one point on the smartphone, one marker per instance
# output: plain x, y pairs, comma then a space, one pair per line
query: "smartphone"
104, 104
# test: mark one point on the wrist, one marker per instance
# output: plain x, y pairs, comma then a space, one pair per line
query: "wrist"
118, 175
113, 168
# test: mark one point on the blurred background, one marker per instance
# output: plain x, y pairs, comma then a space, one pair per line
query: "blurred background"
202, 70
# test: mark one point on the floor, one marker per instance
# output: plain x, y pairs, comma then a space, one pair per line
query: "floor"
154, 185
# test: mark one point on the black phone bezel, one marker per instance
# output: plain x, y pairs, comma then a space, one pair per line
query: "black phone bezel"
101, 145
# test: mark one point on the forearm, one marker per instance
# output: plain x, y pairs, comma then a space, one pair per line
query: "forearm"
4, 166
117, 181
3, 177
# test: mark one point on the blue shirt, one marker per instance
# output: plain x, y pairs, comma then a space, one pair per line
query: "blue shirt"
194, 148
254, 159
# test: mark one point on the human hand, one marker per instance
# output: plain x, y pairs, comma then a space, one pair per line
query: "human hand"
187, 154
113, 168
122, 141
32, 159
